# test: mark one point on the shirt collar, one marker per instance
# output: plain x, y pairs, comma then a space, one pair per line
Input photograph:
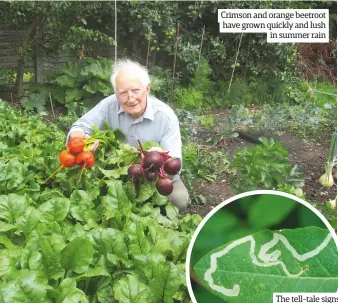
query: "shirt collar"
148, 114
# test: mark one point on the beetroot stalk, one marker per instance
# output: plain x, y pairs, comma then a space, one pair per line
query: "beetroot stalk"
83, 167
139, 143
161, 173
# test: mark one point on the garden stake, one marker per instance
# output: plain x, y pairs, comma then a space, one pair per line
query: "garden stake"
172, 88
51, 104
233, 70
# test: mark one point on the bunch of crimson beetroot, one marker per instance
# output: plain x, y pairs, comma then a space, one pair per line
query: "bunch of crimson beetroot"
77, 154
155, 166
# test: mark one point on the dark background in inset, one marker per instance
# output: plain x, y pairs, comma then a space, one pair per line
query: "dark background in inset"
244, 217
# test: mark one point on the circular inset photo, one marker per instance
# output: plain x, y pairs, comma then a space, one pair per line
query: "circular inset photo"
260, 243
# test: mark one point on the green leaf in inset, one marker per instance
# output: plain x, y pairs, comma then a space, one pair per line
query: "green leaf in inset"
131, 290
54, 209
270, 210
221, 225
252, 268
77, 255
306, 217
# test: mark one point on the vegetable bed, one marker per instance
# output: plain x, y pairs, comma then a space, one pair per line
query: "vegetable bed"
101, 238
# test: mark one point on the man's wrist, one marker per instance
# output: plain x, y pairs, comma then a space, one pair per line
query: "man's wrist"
77, 133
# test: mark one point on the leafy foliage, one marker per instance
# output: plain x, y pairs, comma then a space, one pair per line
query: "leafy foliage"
76, 84
102, 239
263, 166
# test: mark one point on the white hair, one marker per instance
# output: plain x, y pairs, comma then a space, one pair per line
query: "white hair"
134, 67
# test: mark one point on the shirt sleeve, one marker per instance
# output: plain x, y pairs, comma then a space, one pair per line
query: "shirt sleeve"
171, 140
96, 116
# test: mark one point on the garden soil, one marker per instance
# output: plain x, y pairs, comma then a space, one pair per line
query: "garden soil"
308, 153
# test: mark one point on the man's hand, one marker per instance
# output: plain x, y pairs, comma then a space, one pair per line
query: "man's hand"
95, 145
156, 148
82, 134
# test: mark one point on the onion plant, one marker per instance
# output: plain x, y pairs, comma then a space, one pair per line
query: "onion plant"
327, 179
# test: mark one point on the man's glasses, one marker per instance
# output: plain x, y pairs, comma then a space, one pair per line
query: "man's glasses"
124, 96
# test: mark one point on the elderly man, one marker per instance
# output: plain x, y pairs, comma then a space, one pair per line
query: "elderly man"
139, 116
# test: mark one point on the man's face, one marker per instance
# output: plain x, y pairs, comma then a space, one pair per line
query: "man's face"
131, 94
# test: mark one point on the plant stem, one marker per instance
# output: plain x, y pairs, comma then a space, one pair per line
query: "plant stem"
115, 33
199, 56
173, 81
87, 284
51, 104
233, 70
247, 56
139, 143
148, 53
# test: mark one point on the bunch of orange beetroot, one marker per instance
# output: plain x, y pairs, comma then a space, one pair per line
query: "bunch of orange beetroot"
76, 154
155, 166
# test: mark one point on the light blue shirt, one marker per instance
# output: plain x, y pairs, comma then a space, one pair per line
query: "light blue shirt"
158, 123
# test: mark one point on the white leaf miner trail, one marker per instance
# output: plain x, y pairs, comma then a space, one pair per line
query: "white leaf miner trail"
268, 259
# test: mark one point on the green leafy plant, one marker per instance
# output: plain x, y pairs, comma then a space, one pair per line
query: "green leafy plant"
105, 237
161, 82
263, 166
201, 163
33, 101
327, 179
77, 85
207, 120
296, 90
198, 92
189, 98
